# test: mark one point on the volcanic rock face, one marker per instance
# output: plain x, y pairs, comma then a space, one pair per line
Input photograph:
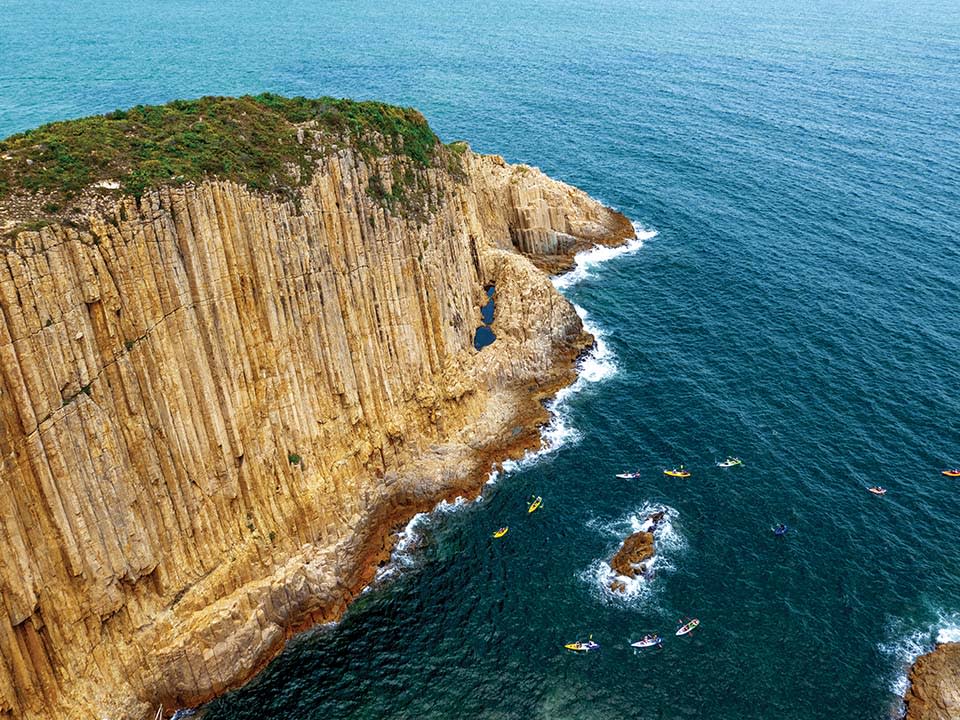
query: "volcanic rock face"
934, 692
214, 405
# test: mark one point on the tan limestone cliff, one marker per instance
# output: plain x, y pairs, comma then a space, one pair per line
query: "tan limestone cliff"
934, 692
215, 405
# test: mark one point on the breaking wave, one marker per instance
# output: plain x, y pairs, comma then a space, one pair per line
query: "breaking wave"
597, 365
412, 537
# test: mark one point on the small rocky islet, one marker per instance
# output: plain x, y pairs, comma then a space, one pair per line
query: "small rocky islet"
632, 559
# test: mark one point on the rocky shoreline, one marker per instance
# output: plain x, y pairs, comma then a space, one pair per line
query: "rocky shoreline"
934, 691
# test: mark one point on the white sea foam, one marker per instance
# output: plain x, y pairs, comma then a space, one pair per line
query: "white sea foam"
402, 557
599, 364
587, 260
950, 630
906, 645
668, 543
409, 540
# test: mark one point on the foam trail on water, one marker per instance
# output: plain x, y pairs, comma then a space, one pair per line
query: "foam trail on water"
596, 366
587, 260
402, 556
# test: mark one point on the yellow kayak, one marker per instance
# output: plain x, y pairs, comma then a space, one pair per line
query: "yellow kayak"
676, 473
535, 504
501, 532
582, 646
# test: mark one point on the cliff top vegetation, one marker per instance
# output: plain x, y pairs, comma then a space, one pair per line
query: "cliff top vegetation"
253, 140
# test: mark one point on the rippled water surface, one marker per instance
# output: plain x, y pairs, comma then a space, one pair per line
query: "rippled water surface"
797, 307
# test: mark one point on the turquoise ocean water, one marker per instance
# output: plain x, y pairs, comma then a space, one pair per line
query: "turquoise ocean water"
798, 306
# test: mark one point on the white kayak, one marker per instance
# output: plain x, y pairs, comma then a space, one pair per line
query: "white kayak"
628, 475
730, 462
688, 627
647, 642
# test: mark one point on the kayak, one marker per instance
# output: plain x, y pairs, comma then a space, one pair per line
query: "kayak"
952, 473
677, 473
535, 504
582, 646
689, 627
878, 490
628, 476
780, 531
730, 462
501, 532
648, 642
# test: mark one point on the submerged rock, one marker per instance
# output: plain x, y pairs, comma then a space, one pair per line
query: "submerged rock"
934, 692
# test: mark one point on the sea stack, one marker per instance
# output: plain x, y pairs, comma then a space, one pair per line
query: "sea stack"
235, 352
631, 559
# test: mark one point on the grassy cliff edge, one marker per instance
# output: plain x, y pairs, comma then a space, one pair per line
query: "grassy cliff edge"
266, 142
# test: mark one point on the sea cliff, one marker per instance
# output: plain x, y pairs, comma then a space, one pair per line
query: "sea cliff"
224, 383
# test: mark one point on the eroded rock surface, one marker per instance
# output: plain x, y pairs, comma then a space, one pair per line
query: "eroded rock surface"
934, 692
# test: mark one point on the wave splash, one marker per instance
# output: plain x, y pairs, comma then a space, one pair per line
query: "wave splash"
668, 543
596, 366
586, 261
412, 537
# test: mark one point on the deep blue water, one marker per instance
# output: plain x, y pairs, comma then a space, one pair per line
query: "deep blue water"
798, 307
